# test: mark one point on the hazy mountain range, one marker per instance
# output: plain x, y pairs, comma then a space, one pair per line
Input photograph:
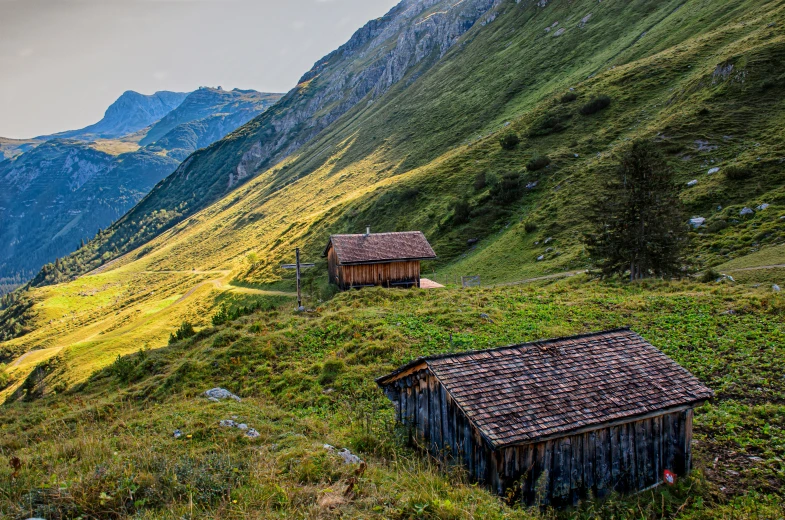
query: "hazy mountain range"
60, 189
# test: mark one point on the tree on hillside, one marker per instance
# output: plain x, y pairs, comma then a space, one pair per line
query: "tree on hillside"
639, 224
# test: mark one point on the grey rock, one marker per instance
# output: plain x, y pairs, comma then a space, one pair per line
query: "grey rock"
713, 170
762, 207
692, 183
252, 434
548, 250
348, 457
541, 258
531, 185
746, 211
776, 288
177, 434
218, 394
242, 426
697, 222
549, 239
472, 241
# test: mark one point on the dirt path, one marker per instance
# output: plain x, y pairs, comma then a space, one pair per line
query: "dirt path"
52, 351
777, 266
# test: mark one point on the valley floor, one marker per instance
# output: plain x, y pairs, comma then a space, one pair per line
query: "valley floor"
107, 448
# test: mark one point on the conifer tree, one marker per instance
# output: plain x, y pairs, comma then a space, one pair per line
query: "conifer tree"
639, 224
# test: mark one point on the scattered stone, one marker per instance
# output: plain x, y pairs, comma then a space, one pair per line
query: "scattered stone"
252, 434
242, 426
228, 423
329, 447
349, 457
704, 146
762, 207
218, 394
756, 459
531, 185
472, 241
732, 473
549, 239
541, 258
746, 211
576, 155
328, 391
713, 170
559, 32
697, 222
485, 317
548, 250
178, 434
692, 183
776, 288
584, 20
301, 309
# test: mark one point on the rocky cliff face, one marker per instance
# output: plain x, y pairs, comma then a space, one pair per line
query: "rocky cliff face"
404, 42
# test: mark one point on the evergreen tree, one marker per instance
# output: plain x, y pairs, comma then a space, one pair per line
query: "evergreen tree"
639, 224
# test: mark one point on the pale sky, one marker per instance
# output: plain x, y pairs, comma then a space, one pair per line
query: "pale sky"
62, 62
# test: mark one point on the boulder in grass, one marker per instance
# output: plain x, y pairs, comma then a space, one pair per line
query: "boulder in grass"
219, 394
713, 170
746, 211
692, 183
776, 288
697, 222
762, 207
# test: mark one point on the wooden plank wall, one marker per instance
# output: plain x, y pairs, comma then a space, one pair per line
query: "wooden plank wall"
559, 472
379, 274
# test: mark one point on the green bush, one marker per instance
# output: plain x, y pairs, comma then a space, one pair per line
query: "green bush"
507, 189
595, 105
480, 181
330, 370
529, 226
509, 140
548, 124
538, 162
737, 173
185, 331
709, 276
461, 212
4, 377
569, 97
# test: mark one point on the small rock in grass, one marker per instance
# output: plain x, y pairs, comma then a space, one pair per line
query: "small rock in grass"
252, 434
548, 240
349, 457
329, 447
243, 426
746, 211
531, 185
548, 250
228, 423
541, 258
756, 459
776, 288
762, 207
177, 434
218, 394
697, 222
692, 183
713, 170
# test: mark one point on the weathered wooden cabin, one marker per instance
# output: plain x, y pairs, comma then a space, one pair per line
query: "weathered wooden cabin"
554, 421
386, 259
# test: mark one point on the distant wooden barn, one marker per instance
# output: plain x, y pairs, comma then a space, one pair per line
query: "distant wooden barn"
554, 421
386, 259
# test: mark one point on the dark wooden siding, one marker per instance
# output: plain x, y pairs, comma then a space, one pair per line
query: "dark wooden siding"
625, 457
389, 274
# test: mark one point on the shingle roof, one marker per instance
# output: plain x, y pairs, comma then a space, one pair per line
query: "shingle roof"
526, 392
380, 247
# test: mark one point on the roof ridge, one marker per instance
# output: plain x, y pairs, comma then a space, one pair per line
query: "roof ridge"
538, 342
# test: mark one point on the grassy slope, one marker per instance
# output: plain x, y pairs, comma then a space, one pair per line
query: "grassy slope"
403, 161
122, 419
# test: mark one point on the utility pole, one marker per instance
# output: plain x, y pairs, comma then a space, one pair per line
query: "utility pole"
297, 266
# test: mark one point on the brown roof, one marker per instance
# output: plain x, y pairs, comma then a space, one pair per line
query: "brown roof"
526, 392
380, 247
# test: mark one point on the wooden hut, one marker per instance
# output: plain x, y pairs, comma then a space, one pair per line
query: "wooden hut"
554, 421
386, 259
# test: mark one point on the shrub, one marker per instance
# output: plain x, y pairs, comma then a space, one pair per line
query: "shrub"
529, 226
330, 370
737, 172
461, 212
709, 276
4, 377
538, 162
186, 330
509, 140
595, 105
569, 97
548, 124
716, 226
480, 181
508, 189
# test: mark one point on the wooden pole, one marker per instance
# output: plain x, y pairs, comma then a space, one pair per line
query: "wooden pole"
297, 262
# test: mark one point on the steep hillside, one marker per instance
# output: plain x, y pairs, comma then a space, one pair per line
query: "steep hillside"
62, 192
130, 113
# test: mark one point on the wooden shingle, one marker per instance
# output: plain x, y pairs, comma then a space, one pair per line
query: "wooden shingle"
524, 393
380, 247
